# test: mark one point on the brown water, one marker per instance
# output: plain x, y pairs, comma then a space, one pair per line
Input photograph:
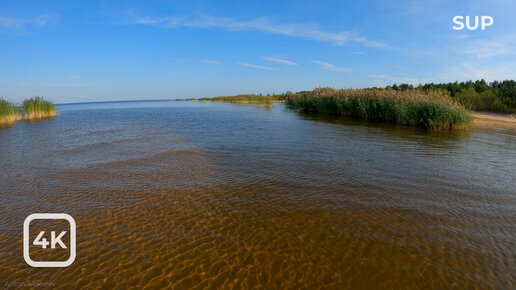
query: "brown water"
191, 194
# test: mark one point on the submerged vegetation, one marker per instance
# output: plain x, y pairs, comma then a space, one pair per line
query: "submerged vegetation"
433, 110
35, 108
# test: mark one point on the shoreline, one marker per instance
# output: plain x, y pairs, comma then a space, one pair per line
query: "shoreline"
493, 120
480, 119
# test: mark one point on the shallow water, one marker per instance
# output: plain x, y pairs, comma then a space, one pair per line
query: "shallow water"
192, 194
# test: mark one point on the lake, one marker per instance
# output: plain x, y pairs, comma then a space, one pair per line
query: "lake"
192, 194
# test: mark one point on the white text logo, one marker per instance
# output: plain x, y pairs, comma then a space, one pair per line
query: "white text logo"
56, 239
480, 21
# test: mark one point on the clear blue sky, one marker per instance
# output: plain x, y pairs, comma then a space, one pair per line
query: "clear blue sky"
74, 51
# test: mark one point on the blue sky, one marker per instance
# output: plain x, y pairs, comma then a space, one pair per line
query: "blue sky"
75, 51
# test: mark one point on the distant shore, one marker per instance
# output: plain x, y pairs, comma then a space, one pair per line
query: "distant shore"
494, 120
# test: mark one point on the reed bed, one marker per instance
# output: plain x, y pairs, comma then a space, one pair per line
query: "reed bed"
31, 109
37, 108
244, 99
9, 113
432, 110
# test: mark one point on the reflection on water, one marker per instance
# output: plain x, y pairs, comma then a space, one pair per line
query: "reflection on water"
213, 194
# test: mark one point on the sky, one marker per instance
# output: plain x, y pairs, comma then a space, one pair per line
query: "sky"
83, 51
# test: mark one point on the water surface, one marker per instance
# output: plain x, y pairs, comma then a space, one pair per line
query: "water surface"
191, 194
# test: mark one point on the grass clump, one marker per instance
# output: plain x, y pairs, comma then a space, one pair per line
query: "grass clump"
9, 113
31, 109
37, 108
432, 110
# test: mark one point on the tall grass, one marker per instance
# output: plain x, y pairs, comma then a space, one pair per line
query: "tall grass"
37, 108
31, 109
431, 110
9, 113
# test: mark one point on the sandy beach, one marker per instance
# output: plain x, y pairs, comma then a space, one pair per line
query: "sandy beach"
494, 120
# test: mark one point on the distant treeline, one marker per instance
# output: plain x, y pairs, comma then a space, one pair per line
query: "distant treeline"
474, 95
